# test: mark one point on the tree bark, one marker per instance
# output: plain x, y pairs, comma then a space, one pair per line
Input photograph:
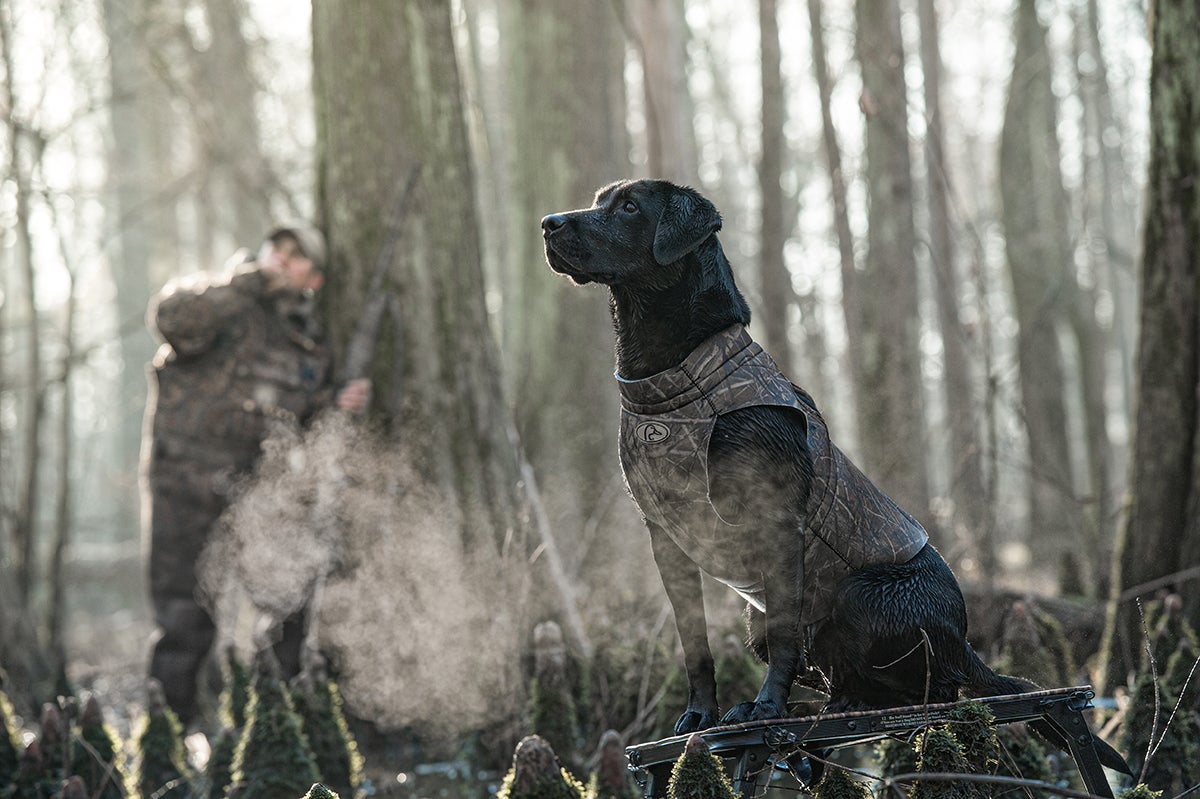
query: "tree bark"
776, 283
967, 490
453, 408
141, 219
837, 188
1041, 268
890, 403
25, 147
568, 140
1161, 535
662, 37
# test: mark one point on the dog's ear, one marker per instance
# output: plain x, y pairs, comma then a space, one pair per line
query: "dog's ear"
687, 220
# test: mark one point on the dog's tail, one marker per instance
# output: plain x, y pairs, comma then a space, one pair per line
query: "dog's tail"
982, 681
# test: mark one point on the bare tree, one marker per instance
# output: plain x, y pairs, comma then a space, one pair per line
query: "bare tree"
568, 139
777, 294
1037, 232
837, 186
1159, 545
141, 213
26, 145
967, 489
661, 38
888, 382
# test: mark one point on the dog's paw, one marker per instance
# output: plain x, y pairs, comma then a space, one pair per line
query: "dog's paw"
754, 711
696, 719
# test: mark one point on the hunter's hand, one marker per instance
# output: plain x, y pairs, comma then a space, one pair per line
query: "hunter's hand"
355, 395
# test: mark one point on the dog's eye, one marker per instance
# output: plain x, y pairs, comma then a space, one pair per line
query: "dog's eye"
630, 207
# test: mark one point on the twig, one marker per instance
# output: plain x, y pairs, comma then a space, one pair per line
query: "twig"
1174, 710
1154, 679
984, 779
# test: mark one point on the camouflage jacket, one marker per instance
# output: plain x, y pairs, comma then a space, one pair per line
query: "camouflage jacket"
237, 357
666, 422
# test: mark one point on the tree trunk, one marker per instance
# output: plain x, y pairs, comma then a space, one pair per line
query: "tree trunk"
662, 44
1041, 267
962, 408
1162, 533
837, 188
229, 126
568, 140
890, 405
452, 424
454, 405
777, 294
141, 221
25, 147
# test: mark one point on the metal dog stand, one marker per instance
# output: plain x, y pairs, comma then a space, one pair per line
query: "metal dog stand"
751, 750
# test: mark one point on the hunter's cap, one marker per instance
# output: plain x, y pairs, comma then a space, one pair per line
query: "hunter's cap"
311, 240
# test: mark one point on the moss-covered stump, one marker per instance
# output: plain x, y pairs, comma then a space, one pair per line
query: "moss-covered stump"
218, 773
54, 736
335, 752
699, 774
1033, 645
162, 771
611, 778
96, 755
552, 711
838, 784
974, 727
235, 694
74, 788
939, 752
319, 791
895, 756
536, 774
1023, 756
273, 758
34, 778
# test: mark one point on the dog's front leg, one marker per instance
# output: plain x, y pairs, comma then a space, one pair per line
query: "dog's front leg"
681, 579
785, 647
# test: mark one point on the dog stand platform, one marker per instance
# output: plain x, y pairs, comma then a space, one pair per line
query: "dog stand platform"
751, 750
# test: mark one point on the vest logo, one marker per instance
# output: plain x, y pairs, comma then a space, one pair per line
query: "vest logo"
652, 432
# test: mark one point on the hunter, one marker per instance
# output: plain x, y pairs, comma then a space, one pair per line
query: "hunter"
240, 353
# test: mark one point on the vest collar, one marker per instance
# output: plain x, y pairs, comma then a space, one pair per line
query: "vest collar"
702, 371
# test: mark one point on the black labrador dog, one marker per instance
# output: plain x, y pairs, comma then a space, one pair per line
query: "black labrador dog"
732, 468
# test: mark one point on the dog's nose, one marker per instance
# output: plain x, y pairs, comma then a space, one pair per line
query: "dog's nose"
552, 223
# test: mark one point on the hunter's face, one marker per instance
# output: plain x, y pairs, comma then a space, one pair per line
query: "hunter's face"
283, 255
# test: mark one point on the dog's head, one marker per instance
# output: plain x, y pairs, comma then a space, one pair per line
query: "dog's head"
632, 232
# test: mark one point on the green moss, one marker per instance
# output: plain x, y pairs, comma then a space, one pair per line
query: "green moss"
895, 757
96, 755
319, 791
235, 696
162, 771
1139, 791
335, 752
699, 774
1034, 646
974, 727
1022, 755
940, 753
273, 758
218, 773
838, 784
552, 716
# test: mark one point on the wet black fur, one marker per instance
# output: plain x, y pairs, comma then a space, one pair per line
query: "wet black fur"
897, 635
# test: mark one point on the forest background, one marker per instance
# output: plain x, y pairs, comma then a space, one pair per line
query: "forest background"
934, 208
